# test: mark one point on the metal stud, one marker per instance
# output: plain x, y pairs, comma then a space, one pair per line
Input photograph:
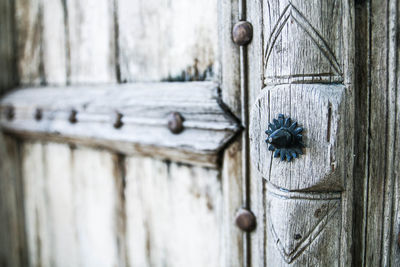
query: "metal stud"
175, 122
118, 120
72, 116
10, 113
246, 220
38, 114
242, 33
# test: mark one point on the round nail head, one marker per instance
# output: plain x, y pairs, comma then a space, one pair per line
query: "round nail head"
246, 220
242, 33
38, 114
10, 113
72, 116
175, 123
118, 120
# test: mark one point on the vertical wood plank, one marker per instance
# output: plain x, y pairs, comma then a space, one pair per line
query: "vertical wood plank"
70, 206
12, 237
95, 207
232, 191
168, 40
377, 173
255, 84
173, 214
36, 217
54, 43
7, 48
91, 41
29, 25
230, 72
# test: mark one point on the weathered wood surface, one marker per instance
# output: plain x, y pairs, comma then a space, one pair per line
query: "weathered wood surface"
105, 210
380, 220
70, 199
320, 110
92, 42
304, 46
145, 109
12, 231
168, 40
174, 214
7, 56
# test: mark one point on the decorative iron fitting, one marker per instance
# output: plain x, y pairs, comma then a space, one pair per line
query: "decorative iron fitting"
285, 138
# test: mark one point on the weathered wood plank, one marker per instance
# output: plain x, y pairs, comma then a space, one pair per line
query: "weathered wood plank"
173, 214
70, 205
29, 23
54, 42
168, 40
377, 172
7, 47
230, 56
12, 237
91, 41
255, 80
232, 191
382, 208
144, 108
95, 198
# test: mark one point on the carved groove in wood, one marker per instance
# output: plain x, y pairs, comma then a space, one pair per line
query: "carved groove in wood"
296, 24
318, 210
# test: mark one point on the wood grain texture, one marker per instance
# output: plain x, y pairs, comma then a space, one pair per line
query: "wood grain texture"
382, 209
230, 56
314, 239
7, 49
91, 41
302, 44
54, 42
173, 214
316, 29
168, 40
232, 192
70, 201
255, 70
321, 110
29, 23
12, 237
145, 109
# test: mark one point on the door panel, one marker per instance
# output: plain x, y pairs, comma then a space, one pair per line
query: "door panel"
123, 202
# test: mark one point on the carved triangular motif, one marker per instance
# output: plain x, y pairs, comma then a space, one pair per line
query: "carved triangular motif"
309, 219
299, 65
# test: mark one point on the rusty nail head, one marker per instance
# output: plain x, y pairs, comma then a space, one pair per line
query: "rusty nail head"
242, 33
72, 116
38, 114
10, 113
246, 220
175, 122
118, 120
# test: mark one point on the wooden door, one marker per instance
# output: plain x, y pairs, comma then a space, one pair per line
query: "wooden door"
133, 133
120, 133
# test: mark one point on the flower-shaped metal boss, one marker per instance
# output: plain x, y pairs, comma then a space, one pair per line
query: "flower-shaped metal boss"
285, 138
